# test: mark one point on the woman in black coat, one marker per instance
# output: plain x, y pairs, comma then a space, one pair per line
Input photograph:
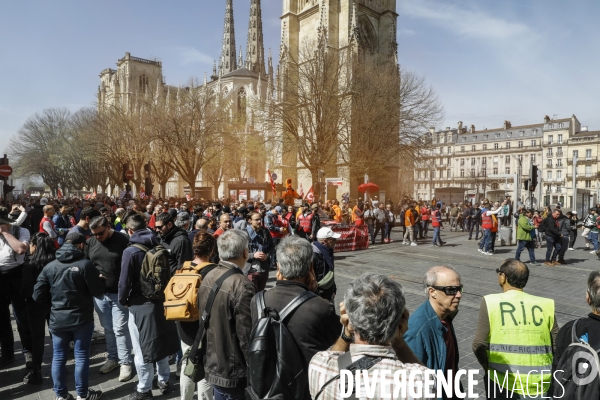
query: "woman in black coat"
42, 250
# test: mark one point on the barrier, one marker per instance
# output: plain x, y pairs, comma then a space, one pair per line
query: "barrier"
353, 237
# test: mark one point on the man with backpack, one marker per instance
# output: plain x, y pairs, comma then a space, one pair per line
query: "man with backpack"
549, 226
515, 332
311, 324
580, 335
230, 323
153, 338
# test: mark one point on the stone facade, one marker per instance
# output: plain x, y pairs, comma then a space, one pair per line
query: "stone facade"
466, 160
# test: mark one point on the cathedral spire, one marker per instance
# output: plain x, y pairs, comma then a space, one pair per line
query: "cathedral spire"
255, 50
241, 59
228, 62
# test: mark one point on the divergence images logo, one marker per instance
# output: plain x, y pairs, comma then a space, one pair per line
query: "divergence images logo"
580, 368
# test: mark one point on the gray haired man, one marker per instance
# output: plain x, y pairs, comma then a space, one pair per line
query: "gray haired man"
375, 322
315, 326
230, 322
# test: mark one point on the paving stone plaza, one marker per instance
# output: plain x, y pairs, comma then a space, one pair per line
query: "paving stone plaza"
564, 283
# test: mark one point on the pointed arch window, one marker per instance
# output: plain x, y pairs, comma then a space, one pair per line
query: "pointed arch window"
143, 83
241, 105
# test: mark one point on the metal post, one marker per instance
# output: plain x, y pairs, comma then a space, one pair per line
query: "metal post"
574, 205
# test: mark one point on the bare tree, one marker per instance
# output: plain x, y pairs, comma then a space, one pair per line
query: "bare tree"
309, 116
39, 148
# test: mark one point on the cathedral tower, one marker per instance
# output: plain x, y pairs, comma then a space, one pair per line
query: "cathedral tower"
255, 50
228, 61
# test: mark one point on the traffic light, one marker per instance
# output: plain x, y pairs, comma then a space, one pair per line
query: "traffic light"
533, 176
7, 188
147, 169
148, 184
526, 184
4, 161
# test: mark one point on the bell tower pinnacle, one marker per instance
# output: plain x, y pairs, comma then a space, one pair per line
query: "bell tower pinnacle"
255, 50
228, 57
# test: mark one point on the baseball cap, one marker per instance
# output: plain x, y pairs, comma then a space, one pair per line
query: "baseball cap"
75, 237
43, 201
326, 233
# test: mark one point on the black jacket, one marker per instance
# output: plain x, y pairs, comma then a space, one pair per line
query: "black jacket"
229, 327
551, 228
315, 326
35, 215
322, 264
69, 283
179, 246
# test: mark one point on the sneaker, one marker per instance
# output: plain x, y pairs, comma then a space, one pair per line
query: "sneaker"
587, 245
69, 397
390, 240
386, 240
549, 263
126, 373
91, 395
139, 396
534, 263
489, 253
405, 243
6, 359
28, 360
163, 388
480, 250
593, 252
560, 262
413, 244
33, 378
570, 248
108, 366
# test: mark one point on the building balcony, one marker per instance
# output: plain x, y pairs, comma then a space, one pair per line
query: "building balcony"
555, 181
586, 160
580, 177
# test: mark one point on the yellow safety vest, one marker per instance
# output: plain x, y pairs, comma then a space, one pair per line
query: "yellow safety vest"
520, 345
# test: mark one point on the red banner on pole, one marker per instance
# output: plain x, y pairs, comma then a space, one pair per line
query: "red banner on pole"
353, 237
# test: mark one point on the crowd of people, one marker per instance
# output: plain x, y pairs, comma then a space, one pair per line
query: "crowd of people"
64, 260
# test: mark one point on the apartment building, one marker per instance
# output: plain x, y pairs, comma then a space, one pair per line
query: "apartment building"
468, 163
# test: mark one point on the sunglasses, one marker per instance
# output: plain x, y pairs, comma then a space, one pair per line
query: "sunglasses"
99, 234
449, 290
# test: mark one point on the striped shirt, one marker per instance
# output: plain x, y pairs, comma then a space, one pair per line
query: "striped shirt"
324, 366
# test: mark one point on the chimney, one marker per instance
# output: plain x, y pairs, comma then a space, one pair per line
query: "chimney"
432, 129
472, 128
460, 125
546, 119
507, 125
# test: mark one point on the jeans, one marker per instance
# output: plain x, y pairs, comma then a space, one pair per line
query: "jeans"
36, 319
493, 240
474, 224
145, 371
223, 393
113, 318
564, 245
522, 244
379, 227
453, 225
371, 232
425, 226
485, 241
436, 236
186, 385
553, 247
572, 238
388, 230
593, 236
10, 294
82, 337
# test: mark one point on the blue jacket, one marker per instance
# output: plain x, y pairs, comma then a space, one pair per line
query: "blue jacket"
131, 265
425, 337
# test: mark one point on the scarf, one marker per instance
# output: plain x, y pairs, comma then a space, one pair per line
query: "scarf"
327, 254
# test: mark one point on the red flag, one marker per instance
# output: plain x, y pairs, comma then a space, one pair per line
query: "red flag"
301, 191
272, 185
59, 194
310, 196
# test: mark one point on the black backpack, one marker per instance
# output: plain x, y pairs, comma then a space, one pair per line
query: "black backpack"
577, 376
274, 367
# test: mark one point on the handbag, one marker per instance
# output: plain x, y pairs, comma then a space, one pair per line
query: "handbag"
194, 356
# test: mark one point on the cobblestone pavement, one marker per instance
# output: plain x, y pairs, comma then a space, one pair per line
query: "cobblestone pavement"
565, 284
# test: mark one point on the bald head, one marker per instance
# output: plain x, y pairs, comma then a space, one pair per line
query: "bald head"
516, 273
201, 224
438, 276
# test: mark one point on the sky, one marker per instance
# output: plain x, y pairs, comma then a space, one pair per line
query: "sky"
488, 60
